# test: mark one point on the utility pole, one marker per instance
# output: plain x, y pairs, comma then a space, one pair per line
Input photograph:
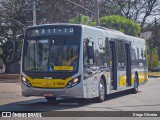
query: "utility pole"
97, 13
34, 13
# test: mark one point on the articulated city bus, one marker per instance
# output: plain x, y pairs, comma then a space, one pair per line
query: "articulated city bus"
78, 61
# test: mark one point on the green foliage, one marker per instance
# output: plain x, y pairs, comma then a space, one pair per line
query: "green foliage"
113, 22
93, 23
80, 19
121, 24
152, 54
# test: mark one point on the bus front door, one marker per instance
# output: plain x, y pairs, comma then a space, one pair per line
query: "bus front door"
113, 65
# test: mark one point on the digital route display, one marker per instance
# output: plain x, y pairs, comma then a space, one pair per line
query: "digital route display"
50, 31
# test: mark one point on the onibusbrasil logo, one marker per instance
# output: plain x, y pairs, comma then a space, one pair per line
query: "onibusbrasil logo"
15, 114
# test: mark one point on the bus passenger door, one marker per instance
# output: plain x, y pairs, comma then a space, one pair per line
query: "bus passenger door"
113, 65
128, 64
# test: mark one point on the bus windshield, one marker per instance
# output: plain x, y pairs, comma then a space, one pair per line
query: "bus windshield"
51, 55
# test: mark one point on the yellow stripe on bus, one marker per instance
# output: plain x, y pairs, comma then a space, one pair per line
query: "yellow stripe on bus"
49, 83
142, 78
123, 80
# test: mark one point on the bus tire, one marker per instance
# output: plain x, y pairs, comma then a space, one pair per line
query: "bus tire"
50, 99
102, 92
136, 84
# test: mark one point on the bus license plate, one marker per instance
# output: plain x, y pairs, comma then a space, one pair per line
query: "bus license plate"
48, 95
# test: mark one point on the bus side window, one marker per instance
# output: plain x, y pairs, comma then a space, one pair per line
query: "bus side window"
84, 54
107, 52
88, 51
121, 54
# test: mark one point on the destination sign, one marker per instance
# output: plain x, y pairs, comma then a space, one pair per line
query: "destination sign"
50, 31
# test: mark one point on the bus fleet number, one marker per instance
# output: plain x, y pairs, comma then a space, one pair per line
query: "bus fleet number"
58, 83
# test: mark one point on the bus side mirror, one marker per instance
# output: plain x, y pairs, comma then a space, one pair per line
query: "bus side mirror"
90, 52
19, 39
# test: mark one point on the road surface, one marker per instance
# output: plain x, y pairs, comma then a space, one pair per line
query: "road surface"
147, 99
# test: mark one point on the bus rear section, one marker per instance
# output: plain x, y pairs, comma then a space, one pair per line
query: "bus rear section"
51, 62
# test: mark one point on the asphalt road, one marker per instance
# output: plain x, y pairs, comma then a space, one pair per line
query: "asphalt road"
147, 99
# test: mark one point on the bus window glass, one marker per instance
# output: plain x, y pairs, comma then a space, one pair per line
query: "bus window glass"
36, 56
64, 53
51, 55
120, 54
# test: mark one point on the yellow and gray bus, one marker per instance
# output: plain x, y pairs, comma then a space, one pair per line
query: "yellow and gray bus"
78, 61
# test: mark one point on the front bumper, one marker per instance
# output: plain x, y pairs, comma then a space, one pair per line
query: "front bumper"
74, 92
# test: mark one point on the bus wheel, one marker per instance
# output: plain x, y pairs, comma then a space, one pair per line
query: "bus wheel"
101, 96
50, 99
135, 89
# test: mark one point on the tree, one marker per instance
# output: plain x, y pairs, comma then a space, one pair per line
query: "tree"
9, 29
106, 8
121, 24
80, 19
62, 11
9, 45
115, 22
152, 57
154, 41
137, 10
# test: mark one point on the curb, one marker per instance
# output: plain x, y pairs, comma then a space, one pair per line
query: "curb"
154, 76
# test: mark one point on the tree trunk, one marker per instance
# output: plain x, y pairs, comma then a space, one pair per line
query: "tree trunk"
150, 60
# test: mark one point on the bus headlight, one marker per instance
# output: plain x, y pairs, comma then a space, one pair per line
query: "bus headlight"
26, 82
73, 82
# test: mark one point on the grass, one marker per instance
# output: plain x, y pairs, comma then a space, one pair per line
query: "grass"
154, 74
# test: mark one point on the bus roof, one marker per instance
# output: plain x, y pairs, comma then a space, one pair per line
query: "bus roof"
54, 24
106, 30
